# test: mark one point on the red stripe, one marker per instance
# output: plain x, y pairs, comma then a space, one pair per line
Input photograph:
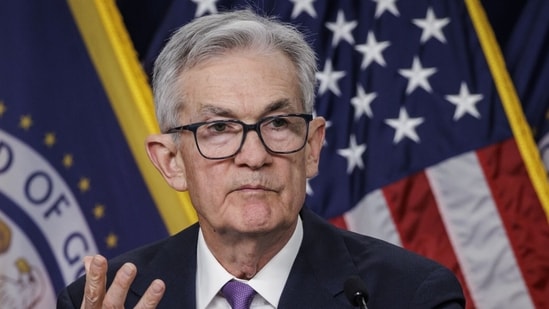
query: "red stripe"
420, 225
522, 214
339, 222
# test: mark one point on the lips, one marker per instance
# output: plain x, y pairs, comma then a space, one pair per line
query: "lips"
253, 187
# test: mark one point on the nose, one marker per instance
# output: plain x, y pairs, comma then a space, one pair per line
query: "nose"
253, 153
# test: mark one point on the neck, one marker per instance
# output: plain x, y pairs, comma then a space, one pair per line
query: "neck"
244, 255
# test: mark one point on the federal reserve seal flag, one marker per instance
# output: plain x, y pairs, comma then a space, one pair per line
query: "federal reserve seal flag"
70, 184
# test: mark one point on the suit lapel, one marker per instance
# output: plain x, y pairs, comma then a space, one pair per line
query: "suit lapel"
316, 280
321, 267
175, 263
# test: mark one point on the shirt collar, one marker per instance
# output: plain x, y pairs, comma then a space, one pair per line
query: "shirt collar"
268, 282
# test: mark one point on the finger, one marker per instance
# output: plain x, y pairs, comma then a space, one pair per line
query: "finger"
116, 295
96, 278
152, 295
87, 261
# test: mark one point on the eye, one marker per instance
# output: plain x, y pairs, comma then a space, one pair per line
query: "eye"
279, 122
217, 126
222, 127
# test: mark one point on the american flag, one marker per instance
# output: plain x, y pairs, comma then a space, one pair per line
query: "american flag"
529, 68
419, 150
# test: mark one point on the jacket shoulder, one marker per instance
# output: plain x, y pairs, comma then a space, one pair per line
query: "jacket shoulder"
158, 253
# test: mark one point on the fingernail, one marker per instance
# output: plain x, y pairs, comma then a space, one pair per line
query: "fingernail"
157, 287
128, 269
96, 261
87, 259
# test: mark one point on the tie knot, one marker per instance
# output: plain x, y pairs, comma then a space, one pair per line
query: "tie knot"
238, 294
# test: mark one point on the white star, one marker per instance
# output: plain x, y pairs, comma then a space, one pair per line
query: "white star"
205, 6
353, 154
362, 102
303, 5
309, 189
328, 79
417, 76
328, 126
342, 29
404, 126
465, 102
386, 5
371, 51
431, 26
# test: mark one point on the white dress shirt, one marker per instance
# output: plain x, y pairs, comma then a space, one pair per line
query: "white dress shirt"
268, 282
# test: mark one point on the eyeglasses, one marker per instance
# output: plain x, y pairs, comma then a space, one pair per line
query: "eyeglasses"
221, 139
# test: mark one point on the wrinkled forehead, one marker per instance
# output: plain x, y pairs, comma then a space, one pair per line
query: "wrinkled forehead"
248, 80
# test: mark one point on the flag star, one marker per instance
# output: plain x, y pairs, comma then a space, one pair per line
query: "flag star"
303, 5
98, 211
49, 139
353, 154
111, 240
68, 160
431, 26
342, 29
362, 102
309, 189
372, 51
3, 108
465, 102
25, 122
328, 79
205, 6
84, 184
404, 126
386, 5
417, 76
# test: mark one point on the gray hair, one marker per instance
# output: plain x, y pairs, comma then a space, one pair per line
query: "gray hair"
214, 35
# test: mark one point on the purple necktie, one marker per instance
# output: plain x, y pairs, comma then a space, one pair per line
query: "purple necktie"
238, 294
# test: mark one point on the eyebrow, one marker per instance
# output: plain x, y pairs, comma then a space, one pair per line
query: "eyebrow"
278, 105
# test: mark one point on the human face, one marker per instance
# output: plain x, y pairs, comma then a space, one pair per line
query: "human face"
255, 191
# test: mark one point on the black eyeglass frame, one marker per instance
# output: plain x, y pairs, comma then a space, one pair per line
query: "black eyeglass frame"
193, 127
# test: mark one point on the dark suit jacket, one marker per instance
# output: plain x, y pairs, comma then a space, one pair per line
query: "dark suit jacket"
394, 277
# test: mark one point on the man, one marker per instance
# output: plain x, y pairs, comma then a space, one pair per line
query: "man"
234, 95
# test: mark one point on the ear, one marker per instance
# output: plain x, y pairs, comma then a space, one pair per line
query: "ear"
317, 129
165, 156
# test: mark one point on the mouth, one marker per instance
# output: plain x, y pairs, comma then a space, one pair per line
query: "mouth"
252, 188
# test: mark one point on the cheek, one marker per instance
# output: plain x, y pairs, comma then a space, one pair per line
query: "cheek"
296, 181
206, 194
204, 181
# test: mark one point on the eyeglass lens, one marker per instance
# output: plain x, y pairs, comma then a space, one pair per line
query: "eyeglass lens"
279, 134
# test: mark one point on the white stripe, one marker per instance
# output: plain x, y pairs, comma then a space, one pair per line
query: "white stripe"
371, 217
477, 234
543, 147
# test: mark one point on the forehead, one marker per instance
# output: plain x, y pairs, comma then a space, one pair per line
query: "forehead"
243, 83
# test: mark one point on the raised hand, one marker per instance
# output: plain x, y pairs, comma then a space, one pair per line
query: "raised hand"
96, 295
